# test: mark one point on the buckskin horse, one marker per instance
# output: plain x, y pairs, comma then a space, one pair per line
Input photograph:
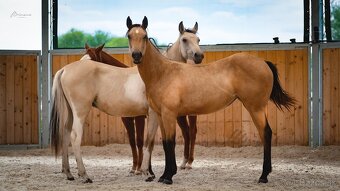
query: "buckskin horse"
175, 89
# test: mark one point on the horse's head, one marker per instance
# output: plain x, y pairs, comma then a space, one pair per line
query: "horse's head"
189, 43
138, 38
95, 53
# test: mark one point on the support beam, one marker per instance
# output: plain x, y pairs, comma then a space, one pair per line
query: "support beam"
315, 71
43, 78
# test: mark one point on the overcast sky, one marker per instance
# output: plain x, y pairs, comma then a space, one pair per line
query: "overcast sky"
220, 21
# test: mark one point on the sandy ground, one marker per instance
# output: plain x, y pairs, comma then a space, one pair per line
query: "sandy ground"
214, 168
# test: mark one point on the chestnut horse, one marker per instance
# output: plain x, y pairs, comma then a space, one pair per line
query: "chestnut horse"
135, 134
174, 89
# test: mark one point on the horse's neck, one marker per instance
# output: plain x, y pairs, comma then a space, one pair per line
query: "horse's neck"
153, 65
174, 52
108, 59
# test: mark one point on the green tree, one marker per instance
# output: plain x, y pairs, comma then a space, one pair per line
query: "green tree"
117, 42
75, 38
335, 21
98, 38
72, 39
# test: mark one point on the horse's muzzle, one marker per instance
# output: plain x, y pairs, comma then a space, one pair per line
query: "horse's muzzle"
137, 57
198, 57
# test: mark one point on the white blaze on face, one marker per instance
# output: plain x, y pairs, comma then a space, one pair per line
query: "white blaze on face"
135, 89
137, 31
86, 57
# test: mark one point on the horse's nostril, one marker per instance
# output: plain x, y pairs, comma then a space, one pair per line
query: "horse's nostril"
136, 55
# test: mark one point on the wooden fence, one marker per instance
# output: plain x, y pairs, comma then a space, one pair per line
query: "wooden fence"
231, 126
331, 96
18, 99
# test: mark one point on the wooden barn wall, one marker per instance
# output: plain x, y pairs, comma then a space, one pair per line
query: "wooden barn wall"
18, 99
331, 96
232, 126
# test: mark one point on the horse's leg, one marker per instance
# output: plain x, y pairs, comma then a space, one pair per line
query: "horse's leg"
261, 123
65, 159
192, 135
76, 135
183, 124
140, 123
149, 144
168, 128
130, 128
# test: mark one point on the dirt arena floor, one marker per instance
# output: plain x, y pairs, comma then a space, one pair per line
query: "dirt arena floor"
214, 168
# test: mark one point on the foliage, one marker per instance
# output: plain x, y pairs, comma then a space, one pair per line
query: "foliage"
75, 38
335, 21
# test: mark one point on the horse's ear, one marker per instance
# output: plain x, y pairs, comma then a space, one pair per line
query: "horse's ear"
195, 29
181, 27
100, 48
128, 22
86, 46
145, 23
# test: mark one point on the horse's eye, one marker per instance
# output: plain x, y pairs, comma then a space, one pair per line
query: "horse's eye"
128, 36
184, 40
198, 40
145, 37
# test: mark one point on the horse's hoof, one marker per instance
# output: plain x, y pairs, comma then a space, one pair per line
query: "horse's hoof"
161, 179
88, 180
166, 181
70, 178
137, 172
150, 179
263, 180
188, 167
182, 167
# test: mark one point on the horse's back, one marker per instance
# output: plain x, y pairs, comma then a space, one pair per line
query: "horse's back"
106, 87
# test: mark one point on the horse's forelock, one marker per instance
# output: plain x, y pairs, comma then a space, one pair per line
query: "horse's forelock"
190, 31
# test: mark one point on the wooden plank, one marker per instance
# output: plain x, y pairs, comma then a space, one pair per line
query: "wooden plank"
3, 126
337, 131
202, 130
64, 60
299, 94
237, 123
27, 99
247, 130
228, 126
111, 133
10, 99
334, 96
34, 96
327, 104
95, 126
55, 64
103, 129
88, 133
18, 100
290, 80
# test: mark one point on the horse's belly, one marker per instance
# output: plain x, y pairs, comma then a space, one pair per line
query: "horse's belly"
207, 104
125, 109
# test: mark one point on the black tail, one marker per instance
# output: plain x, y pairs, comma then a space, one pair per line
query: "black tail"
280, 97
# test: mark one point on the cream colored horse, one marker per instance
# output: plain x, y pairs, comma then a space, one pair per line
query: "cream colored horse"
174, 89
186, 49
79, 86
